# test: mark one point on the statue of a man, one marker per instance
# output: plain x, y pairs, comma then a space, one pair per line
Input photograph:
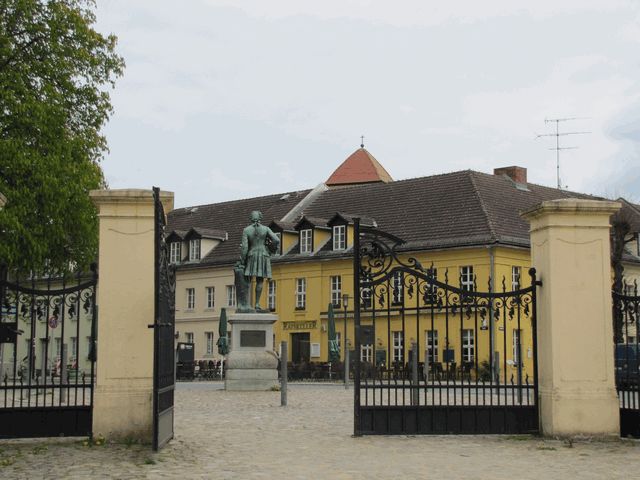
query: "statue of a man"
255, 253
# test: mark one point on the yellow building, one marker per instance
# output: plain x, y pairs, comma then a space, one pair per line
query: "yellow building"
465, 225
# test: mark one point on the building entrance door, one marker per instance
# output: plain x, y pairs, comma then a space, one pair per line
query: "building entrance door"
300, 347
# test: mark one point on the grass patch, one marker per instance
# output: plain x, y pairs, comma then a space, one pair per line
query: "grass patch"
546, 447
38, 449
149, 461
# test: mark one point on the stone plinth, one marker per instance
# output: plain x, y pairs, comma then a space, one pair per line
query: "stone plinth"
251, 363
571, 253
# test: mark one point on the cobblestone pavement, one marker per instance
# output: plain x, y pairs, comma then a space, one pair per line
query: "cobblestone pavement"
228, 435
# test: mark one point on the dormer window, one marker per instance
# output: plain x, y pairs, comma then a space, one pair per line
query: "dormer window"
306, 240
174, 252
194, 249
339, 237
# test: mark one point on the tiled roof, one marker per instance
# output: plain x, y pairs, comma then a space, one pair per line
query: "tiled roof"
456, 209
232, 217
359, 167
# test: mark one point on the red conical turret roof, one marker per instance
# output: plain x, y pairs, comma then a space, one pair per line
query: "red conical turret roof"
359, 167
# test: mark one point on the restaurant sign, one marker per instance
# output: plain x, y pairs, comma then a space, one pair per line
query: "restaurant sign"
301, 325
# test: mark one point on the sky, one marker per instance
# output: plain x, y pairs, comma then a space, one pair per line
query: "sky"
228, 99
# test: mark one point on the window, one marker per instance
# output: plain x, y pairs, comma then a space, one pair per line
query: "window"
74, 347
339, 341
191, 298
279, 235
466, 278
231, 295
58, 347
194, 249
515, 278
468, 346
366, 353
336, 290
189, 337
339, 237
301, 293
211, 294
89, 347
432, 346
396, 287
209, 339
398, 347
516, 341
174, 252
366, 297
306, 244
271, 297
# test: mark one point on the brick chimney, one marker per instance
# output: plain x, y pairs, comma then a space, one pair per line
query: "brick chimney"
517, 174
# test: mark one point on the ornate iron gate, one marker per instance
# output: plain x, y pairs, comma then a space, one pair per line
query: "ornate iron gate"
164, 333
626, 311
47, 354
471, 368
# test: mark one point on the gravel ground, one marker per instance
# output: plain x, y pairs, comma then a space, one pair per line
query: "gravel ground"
228, 435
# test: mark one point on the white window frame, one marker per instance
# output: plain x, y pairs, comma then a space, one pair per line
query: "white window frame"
194, 249
339, 237
306, 240
398, 346
515, 277
211, 297
209, 337
191, 298
366, 298
515, 337
336, 290
279, 235
271, 295
301, 293
58, 345
339, 340
366, 353
397, 288
89, 346
189, 337
466, 278
432, 347
74, 345
468, 345
175, 251
231, 295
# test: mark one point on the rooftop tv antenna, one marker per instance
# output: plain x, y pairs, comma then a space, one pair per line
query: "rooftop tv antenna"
559, 134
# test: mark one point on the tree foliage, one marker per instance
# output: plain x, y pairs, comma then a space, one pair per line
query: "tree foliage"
55, 72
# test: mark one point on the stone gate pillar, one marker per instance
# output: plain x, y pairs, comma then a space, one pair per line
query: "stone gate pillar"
571, 252
123, 402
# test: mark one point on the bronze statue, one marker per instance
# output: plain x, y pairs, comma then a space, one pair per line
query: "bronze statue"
258, 243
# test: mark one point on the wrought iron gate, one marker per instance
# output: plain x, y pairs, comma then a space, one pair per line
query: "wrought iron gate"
472, 366
164, 333
626, 311
47, 354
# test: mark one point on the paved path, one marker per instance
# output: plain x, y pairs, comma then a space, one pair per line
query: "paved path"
229, 435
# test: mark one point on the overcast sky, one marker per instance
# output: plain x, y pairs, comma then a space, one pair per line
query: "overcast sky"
225, 99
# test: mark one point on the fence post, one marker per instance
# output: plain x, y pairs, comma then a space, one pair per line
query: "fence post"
570, 250
284, 357
63, 372
123, 393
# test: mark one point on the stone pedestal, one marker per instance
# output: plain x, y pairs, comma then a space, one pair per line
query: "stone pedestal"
571, 253
252, 363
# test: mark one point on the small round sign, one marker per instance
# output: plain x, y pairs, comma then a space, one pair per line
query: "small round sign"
53, 321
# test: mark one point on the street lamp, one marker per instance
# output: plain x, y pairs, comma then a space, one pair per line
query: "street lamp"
345, 304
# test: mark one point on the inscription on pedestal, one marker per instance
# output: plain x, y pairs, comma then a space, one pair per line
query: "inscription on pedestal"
253, 338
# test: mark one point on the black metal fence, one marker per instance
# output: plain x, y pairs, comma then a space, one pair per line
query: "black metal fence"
437, 358
47, 354
626, 312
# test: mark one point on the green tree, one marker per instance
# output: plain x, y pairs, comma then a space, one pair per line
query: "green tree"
55, 72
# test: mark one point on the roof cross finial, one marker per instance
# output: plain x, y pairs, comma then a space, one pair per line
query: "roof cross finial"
361, 141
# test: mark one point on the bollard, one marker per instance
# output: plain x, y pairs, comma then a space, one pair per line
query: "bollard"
415, 391
284, 356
